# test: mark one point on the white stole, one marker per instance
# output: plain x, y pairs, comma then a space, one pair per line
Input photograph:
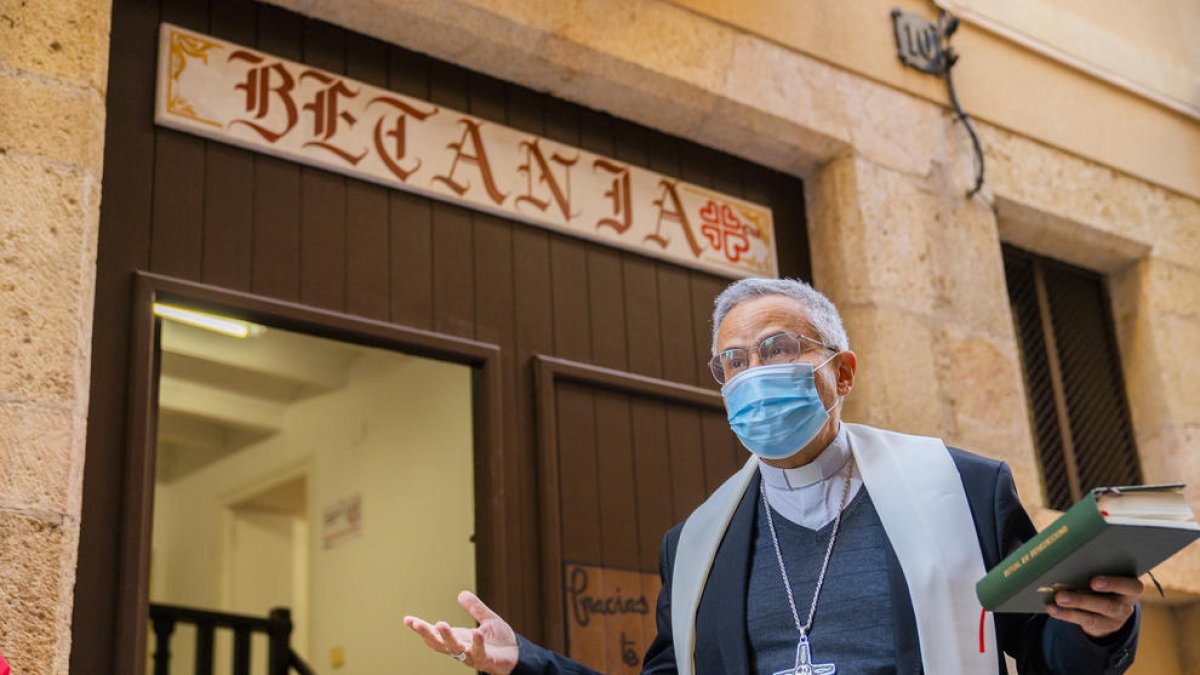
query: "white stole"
919, 496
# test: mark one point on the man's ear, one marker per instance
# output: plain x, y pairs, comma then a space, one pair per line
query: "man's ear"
847, 364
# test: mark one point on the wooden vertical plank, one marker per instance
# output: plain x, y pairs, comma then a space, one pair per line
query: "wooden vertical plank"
453, 285
322, 193
568, 257
652, 463
534, 335
786, 198
229, 177
615, 467
675, 317
719, 462
495, 322
276, 257
410, 217
569, 285
368, 290
687, 459
723, 173
606, 291
493, 264
640, 281
178, 209
729, 174
177, 239
578, 493
648, 420
704, 290
124, 245
679, 340
580, 521
619, 517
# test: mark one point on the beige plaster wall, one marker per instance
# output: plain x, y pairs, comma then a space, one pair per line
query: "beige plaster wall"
53, 73
1007, 84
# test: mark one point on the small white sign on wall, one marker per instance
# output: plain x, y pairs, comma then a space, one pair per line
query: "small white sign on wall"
233, 94
341, 521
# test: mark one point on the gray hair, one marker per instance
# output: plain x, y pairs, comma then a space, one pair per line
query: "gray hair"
822, 315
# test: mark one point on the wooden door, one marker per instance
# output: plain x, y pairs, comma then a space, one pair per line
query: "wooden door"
358, 259
623, 458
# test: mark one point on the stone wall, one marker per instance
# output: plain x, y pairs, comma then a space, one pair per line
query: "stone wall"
53, 73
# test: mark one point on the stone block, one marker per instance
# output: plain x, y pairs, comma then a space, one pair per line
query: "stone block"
981, 380
1180, 573
1170, 288
897, 385
1066, 239
967, 270
1053, 182
1187, 627
1172, 456
1142, 362
1181, 224
773, 82
41, 449
890, 127
64, 40
1158, 328
47, 275
868, 229
50, 120
659, 37
37, 562
1177, 339
1111, 203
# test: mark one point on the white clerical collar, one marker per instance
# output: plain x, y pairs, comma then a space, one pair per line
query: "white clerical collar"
827, 464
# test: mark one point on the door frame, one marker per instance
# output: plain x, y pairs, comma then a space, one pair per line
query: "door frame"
494, 509
228, 504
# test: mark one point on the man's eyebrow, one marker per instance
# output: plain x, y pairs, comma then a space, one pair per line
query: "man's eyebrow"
768, 332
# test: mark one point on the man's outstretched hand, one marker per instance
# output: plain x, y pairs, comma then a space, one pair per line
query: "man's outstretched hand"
490, 648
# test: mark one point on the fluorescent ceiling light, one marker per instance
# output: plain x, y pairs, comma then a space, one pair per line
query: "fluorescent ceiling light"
216, 323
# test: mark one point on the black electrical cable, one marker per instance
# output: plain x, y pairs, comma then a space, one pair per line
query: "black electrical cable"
948, 25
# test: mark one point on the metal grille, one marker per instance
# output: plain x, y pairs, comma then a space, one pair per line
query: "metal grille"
1073, 378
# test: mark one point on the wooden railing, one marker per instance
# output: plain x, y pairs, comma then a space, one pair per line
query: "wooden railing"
277, 626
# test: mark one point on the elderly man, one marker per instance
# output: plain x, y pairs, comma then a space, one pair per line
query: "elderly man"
838, 548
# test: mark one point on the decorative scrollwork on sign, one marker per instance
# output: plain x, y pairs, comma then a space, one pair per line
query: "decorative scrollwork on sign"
184, 46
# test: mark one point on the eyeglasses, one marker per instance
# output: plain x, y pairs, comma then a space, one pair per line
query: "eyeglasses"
774, 349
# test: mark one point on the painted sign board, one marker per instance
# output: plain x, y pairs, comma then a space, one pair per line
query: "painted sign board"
237, 95
610, 616
341, 521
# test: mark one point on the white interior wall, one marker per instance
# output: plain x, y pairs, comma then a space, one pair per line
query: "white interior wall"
400, 435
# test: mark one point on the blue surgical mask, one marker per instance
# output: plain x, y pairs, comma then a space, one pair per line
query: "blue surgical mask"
775, 410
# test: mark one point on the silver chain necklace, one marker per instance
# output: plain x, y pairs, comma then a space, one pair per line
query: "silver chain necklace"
804, 664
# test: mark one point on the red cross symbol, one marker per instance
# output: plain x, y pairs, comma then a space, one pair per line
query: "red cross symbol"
724, 231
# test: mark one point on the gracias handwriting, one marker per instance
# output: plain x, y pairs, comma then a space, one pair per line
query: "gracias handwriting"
584, 605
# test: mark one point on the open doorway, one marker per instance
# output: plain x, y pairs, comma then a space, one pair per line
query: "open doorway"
302, 473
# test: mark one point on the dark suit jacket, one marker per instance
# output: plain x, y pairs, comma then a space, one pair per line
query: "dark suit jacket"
1039, 643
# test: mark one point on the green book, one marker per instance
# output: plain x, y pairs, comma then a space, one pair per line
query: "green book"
1123, 531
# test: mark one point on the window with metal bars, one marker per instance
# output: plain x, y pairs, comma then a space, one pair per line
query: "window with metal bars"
1073, 378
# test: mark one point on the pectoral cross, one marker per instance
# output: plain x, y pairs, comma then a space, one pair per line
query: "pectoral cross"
804, 664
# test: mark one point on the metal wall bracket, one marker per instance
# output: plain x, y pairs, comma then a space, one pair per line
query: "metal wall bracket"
924, 45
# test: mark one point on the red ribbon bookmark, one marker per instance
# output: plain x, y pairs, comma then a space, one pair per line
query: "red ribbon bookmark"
982, 617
